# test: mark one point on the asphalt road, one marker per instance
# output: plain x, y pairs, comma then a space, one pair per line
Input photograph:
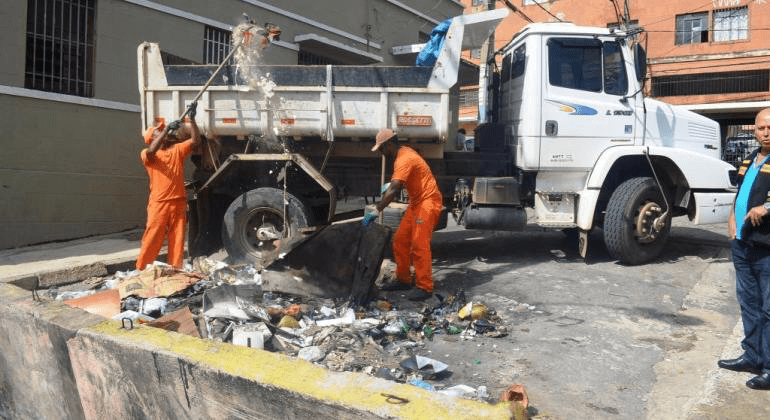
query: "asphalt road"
597, 339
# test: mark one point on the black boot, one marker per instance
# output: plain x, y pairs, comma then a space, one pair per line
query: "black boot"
759, 382
739, 365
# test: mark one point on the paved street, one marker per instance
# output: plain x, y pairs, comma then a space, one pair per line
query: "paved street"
587, 340
598, 339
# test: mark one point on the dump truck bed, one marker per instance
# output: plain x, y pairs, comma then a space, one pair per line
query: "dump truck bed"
327, 102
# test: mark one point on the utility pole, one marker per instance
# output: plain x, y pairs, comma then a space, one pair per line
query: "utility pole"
487, 50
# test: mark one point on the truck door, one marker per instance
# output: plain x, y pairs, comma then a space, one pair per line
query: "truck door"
584, 107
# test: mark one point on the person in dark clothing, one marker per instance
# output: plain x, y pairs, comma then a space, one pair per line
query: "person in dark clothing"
749, 231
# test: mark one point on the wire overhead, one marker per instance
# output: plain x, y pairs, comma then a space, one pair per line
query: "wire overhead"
517, 11
546, 10
617, 10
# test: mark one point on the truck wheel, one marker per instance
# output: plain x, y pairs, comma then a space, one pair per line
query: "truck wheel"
634, 231
253, 225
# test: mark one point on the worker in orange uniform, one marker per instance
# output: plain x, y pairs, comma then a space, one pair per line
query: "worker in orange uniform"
167, 205
411, 244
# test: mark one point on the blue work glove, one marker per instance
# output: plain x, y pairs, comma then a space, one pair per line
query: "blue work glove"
384, 187
369, 217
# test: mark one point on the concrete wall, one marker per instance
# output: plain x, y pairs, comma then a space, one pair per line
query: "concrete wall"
62, 363
13, 14
36, 376
68, 171
69, 166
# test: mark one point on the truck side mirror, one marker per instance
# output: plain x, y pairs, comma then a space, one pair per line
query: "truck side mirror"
640, 62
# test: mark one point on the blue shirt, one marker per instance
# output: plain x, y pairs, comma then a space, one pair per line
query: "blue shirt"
742, 201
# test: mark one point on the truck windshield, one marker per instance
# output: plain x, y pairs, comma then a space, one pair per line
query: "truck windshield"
587, 64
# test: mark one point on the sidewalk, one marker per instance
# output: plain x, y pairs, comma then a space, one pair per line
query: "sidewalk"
77, 258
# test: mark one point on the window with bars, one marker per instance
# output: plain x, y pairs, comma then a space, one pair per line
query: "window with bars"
216, 45
60, 46
469, 97
692, 28
731, 24
712, 83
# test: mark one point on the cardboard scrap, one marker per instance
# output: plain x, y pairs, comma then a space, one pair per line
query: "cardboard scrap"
180, 321
157, 281
105, 303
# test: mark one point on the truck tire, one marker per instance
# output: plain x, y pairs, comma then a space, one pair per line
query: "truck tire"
629, 231
253, 224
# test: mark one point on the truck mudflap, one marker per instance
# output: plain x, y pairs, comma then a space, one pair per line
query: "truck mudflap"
240, 159
712, 207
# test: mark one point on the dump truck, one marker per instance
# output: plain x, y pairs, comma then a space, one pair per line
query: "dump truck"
568, 134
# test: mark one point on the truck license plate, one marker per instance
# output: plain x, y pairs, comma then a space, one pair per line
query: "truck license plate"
421, 120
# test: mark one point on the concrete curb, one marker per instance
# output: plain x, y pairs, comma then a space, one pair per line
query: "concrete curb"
76, 273
104, 371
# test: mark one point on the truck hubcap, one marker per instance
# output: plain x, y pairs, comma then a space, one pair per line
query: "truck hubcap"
263, 229
650, 222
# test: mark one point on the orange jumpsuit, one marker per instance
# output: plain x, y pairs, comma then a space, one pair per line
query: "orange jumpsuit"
167, 205
411, 243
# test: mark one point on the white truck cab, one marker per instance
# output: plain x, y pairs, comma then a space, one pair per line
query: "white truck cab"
575, 117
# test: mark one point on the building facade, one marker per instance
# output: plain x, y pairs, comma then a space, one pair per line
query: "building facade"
712, 56
68, 90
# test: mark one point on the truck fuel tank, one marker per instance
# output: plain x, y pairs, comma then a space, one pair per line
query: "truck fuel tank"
495, 217
502, 190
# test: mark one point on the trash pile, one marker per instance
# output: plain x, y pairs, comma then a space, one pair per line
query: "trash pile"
227, 303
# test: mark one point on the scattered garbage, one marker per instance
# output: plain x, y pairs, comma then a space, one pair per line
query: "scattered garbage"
251, 335
354, 329
133, 316
422, 384
426, 367
158, 281
230, 301
458, 391
153, 306
473, 311
105, 303
180, 321
517, 395
69, 295
311, 354
346, 319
